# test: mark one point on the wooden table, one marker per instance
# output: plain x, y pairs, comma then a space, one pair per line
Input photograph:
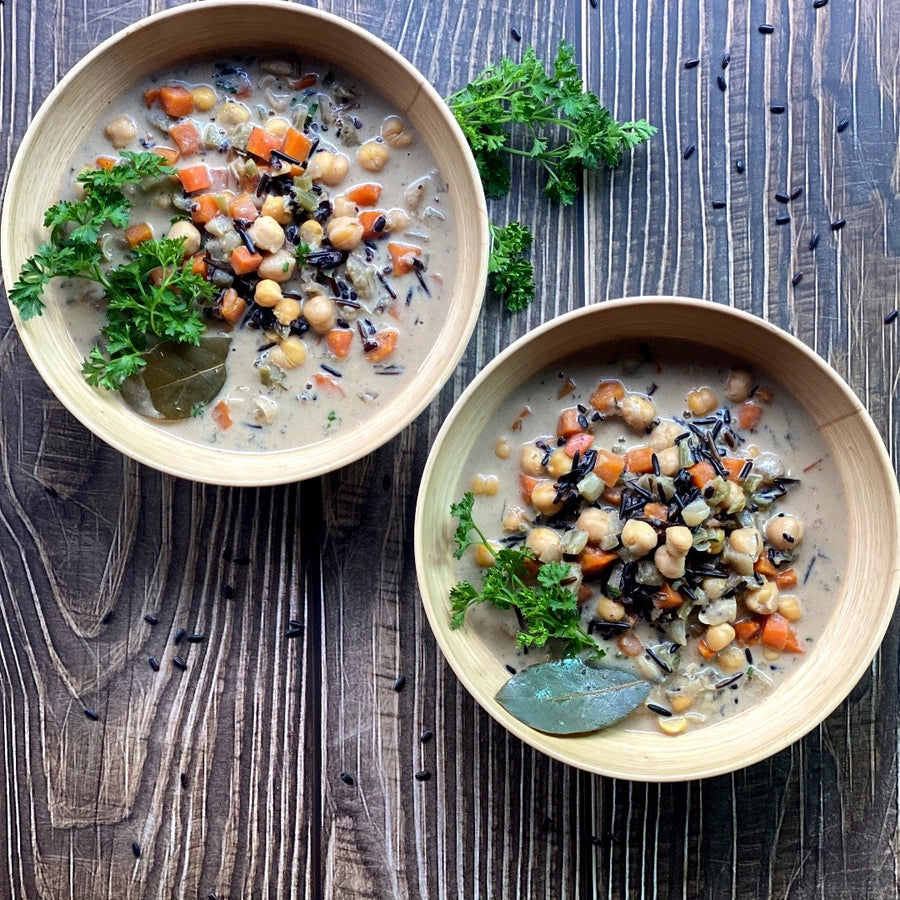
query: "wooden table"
227, 776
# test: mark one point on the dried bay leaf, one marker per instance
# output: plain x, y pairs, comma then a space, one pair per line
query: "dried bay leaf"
178, 377
568, 696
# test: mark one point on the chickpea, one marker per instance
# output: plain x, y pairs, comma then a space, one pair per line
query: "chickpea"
609, 610
396, 219
638, 537
341, 206
714, 588
311, 233
630, 644
718, 637
483, 556
762, 600
515, 520
121, 131
287, 310
784, 532
329, 168
275, 208
664, 434
543, 498
731, 659
670, 566
679, 540
531, 460
205, 97
747, 541
638, 411
189, 232
594, 523
668, 460
266, 234
277, 126
738, 385
681, 702
702, 401
278, 266
789, 606
485, 485
289, 354
559, 463
319, 311
394, 132
545, 544
267, 292
736, 499
344, 232
232, 113
502, 449
373, 155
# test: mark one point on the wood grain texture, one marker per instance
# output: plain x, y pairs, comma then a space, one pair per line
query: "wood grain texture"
227, 774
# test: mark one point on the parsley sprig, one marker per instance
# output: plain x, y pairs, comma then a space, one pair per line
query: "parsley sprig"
522, 109
545, 607
152, 295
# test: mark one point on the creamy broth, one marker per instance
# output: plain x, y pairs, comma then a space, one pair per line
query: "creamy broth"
704, 686
272, 402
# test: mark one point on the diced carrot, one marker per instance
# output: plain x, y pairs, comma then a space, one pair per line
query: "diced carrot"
232, 306
786, 578
656, 511
702, 473
176, 101
169, 155
746, 630
373, 222
243, 262
194, 178
329, 383
304, 81
261, 142
138, 233
749, 414
404, 257
387, 343
792, 644
705, 651
339, 341
296, 145
609, 466
204, 209
568, 423
151, 96
733, 466
639, 459
594, 561
105, 162
221, 416
242, 207
187, 136
612, 495
578, 443
366, 194
198, 265
527, 484
764, 566
667, 597
607, 394
778, 633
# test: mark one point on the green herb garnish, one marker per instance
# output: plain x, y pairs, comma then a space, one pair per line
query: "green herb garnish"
555, 122
545, 606
152, 295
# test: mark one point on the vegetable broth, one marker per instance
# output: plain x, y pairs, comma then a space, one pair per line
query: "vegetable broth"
271, 405
784, 437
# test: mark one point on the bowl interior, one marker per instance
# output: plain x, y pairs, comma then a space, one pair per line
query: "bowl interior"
59, 129
866, 597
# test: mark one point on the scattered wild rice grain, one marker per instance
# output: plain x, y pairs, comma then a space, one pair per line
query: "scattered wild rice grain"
725, 60
720, 81
692, 63
814, 240
891, 317
842, 125
516, 34
427, 735
151, 661
179, 663
798, 277
184, 780
106, 618
689, 151
424, 775
796, 192
739, 165
766, 28
195, 638
179, 636
136, 849
838, 224
151, 620
777, 108
91, 714
347, 778
781, 197
783, 219
400, 683
718, 204
510, 669
818, 4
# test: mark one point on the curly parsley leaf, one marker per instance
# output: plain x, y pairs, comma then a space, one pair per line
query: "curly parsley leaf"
512, 275
547, 609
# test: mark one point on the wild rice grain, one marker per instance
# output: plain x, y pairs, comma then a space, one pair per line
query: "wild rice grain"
718, 204
781, 197
424, 775
184, 780
843, 125
293, 632
91, 714
798, 277
659, 710
151, 661
777, 108
151, 620
739, 166
838, 224
814, 240
516, 34
725, 60
136, 849
688, 151
891, 317
179, 663
195, 638
106, 618
766, 28
347, 778
783, 219
179, 636
796, 192
427, 735
818, 4
400, 683
692, 63
720, 81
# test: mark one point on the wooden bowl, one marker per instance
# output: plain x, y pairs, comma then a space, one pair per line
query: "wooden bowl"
155, 44
864, 599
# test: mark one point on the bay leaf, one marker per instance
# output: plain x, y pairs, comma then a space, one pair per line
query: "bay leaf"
178, 377
569, 696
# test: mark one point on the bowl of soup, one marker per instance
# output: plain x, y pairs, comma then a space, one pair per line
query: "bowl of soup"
244, 242
645, 539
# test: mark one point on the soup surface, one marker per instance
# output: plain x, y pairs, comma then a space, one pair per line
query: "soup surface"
320, 217
699, 512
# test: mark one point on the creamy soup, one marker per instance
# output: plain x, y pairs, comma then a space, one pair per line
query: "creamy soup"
320, 217
700, 513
